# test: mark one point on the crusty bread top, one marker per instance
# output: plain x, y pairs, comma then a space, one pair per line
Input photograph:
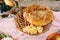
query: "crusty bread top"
35, 7
40, 15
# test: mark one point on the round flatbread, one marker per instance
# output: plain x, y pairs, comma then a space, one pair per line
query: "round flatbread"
38, 15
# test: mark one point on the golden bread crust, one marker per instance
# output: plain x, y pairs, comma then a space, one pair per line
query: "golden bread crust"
40, 15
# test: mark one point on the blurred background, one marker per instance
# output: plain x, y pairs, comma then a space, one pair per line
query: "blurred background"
8, 8
52, 4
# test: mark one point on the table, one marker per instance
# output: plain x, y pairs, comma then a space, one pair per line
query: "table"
7, 26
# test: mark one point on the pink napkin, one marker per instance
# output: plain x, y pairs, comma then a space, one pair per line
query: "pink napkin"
7, 26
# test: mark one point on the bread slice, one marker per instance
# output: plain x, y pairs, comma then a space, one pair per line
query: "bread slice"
38, 15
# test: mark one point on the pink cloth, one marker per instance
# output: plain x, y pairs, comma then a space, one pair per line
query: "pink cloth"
8, 26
